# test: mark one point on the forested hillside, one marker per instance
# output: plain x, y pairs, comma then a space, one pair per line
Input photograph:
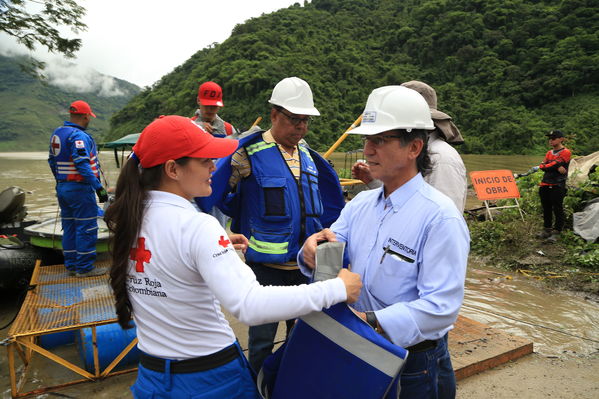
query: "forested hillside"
506, 70
32, 109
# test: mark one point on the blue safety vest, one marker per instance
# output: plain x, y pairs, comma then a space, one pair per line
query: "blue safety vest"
283, 211
333, 354
233, 204
67, 144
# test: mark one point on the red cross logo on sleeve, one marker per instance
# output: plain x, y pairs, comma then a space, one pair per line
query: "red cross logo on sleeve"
55, 145
223, 242
140, 255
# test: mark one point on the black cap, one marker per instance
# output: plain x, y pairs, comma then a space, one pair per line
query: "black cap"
555, 134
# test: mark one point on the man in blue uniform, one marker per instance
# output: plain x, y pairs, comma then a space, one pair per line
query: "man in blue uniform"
407, 240
73, 159
275, 197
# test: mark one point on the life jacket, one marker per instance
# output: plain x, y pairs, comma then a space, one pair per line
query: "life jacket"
329, 348
283, 211
337, 355
329, 188
228, 127
61, 153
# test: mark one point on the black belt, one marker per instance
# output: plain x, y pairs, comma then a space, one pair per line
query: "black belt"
202, 363
423, 346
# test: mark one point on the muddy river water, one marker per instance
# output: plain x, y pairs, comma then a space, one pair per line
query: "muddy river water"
557, 322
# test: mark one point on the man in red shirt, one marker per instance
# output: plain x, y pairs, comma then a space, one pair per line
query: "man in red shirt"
553, 185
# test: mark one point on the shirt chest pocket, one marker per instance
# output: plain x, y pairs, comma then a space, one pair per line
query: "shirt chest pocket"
394, 280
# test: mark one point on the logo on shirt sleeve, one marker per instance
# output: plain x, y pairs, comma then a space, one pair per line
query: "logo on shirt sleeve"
223, 242
79, 144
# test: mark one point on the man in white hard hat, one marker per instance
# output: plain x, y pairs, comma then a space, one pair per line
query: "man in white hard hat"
407, 240
448, 173
274, 197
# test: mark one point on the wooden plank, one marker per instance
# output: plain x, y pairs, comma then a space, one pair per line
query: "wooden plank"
476, 347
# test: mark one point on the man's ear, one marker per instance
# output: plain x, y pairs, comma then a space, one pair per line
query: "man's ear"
415, 148
273, 114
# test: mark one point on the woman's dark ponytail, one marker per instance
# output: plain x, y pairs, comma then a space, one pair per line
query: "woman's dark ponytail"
123, 218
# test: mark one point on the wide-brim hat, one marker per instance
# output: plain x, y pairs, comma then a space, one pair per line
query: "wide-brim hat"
442, 121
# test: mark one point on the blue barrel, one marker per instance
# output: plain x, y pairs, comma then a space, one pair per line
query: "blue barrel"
63, 295
111, 339
49, 341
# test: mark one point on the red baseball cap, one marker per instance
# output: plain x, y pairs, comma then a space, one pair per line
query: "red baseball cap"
210, 93
81, 107
174, 137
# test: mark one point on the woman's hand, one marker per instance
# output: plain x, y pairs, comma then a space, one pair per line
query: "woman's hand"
353, 284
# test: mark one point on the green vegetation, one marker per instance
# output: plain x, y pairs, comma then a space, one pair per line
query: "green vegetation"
31, 109
511, 243
507, 71
41, 27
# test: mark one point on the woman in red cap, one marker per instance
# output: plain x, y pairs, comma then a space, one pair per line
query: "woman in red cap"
173, 268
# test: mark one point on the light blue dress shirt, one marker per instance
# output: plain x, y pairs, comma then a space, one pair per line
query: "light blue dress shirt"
411, 250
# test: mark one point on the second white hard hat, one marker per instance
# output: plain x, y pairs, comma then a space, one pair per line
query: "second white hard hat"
294, 94
394, 107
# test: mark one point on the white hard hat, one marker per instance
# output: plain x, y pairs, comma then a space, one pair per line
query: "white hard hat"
394, 107
295, 96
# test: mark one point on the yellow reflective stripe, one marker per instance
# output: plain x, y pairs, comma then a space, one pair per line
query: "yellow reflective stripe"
254, 148
274, 248
305, 151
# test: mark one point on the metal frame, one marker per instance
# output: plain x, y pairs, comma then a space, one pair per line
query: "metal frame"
24, 344
503, 207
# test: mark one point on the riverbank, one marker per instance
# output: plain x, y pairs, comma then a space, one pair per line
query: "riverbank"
512, 245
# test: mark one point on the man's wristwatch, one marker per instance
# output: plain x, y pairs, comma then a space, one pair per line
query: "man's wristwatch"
371, 320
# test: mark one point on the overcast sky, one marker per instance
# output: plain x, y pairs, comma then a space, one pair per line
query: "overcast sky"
140, 41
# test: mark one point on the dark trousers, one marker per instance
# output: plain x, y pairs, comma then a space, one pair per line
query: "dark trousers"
261, 338
552, 201
428, 375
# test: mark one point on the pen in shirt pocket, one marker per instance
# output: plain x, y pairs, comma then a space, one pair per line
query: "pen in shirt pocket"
398, 256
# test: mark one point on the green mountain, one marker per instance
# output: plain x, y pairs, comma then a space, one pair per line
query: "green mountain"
507, 71
32, 109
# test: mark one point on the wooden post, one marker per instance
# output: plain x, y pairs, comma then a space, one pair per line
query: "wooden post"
95, 349
120, 357
340, 139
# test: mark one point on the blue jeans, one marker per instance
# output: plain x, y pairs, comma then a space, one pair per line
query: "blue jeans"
261, 338
232, 380
428, 375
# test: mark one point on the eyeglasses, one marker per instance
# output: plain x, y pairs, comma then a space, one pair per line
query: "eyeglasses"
294, 119
379, 140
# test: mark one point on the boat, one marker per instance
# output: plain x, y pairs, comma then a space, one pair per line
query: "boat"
48, 234
17, 255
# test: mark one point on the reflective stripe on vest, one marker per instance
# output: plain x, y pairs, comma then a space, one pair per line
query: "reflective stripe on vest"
264, 247
254, 148
369, 352
69, 168
345, 345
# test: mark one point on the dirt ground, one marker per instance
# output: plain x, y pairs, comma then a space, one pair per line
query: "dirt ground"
536, 376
